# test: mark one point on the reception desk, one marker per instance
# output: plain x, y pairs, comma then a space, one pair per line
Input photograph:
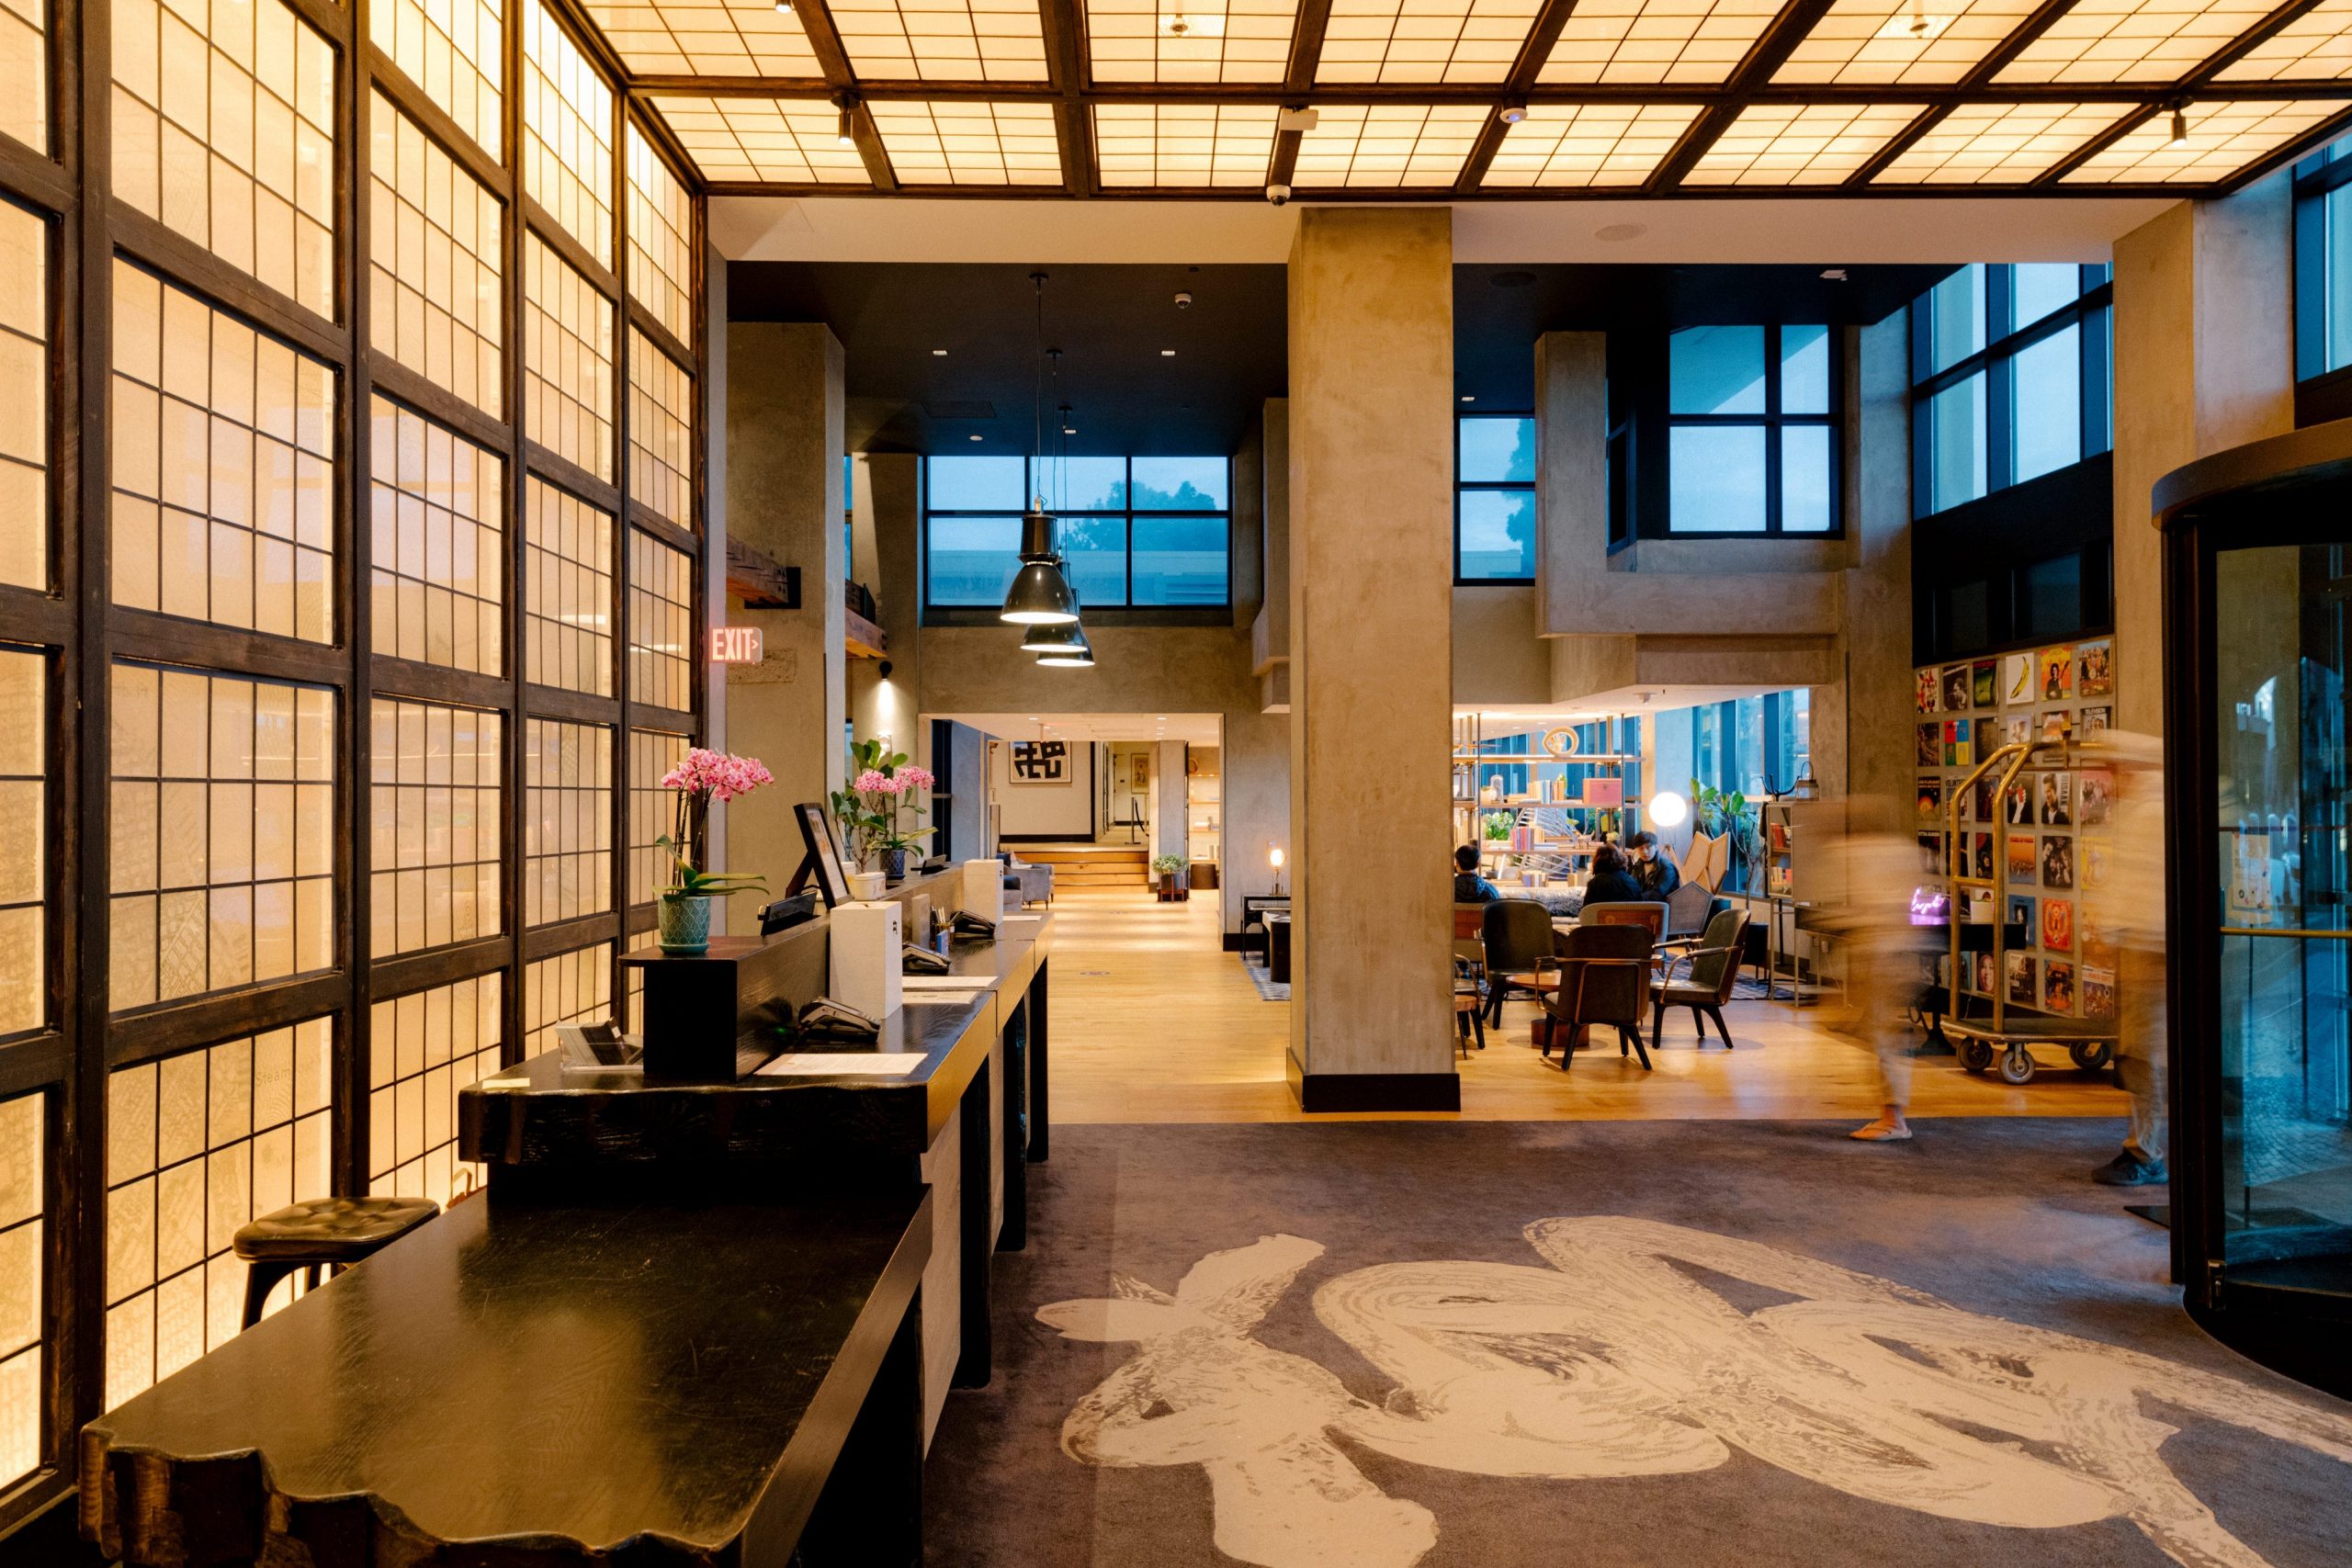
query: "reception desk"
724, 1316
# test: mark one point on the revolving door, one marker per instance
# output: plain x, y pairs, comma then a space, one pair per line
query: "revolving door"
2258, 797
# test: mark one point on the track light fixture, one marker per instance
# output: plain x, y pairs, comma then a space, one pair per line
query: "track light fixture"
843, 133
2179, 124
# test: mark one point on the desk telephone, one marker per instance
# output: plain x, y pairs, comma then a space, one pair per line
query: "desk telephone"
825, 1018
918, 960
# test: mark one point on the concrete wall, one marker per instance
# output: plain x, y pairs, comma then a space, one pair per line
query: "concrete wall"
1499, 660
782, 490
1861, 726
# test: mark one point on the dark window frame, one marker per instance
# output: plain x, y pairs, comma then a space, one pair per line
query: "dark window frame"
1772, 421
2324, 393
2092, 311
939, 613
1460, 484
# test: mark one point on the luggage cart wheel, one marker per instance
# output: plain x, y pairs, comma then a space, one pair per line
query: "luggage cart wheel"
2091, 1056
1976, 1056
2016, 1064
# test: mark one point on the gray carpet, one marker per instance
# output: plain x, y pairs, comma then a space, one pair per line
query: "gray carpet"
1615, 1343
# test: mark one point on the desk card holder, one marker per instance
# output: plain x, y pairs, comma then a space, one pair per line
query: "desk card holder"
868, 952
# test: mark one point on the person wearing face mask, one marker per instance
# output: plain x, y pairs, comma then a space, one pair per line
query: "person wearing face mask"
1653, 869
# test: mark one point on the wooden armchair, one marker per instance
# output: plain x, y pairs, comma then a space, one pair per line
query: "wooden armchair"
1603, 969
1714, 970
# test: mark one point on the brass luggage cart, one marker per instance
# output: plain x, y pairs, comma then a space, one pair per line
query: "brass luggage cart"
1993, 1039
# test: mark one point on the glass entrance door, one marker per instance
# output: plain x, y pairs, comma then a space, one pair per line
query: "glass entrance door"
2282, 797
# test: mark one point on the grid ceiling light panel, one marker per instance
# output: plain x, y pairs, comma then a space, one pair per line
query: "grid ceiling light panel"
970, 144
2000, 143
1589, 145
1222, 40
778, 141
1901, 42
1189, 145
718, 37
943, 41
1657, 40
1423, 40
2224, 138
2131, 41
1387, 145
1799, 144
2314, 47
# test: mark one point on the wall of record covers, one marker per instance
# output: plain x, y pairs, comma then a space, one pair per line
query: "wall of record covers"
2046, 838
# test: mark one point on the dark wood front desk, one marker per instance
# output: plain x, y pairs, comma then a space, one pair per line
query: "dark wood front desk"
717, 1322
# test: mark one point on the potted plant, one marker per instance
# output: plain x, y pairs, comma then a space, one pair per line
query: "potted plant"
1728, 812
683, 909
1174, 888
873, 811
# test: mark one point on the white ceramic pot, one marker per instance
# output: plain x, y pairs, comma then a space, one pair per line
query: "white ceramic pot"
868, 883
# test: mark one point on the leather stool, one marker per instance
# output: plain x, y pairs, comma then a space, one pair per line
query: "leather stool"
319, 1233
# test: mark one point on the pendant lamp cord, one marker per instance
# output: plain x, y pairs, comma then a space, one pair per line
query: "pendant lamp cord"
1037, 399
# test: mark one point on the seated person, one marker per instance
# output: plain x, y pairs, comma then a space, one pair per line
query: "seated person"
1469, 887
1652, 867
1610, 882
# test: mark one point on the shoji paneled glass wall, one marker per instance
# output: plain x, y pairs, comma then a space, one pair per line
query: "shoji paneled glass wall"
350, 543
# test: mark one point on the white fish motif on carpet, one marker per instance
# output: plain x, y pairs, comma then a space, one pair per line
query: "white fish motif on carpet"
1614, 1361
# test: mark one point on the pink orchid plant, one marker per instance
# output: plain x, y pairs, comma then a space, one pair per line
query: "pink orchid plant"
703, 777
872, 811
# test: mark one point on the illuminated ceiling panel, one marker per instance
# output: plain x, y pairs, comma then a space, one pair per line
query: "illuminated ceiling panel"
1657, 40
784, 140
723, 38
1589, 145
1800, 144
2223, 139
2000, 143
2132, 41
1217, 41
1387, 145
1902, 43
970, 144
1183, 144
2315, 46
943, 41
1423, 40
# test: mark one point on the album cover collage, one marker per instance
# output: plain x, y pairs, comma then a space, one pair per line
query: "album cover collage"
2047, 831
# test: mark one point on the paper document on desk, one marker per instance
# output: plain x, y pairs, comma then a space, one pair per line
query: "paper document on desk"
1022, 920
832, 1064
948, 982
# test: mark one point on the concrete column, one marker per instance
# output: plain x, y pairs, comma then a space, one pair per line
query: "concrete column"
1170, 825
887, 514
784, 407
1571, 479
1371, 596
1861, 732
1270, 634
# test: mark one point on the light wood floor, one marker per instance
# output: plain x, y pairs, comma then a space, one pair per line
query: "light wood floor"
1153, 1022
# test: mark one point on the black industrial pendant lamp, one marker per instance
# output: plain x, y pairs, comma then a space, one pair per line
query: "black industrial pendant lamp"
1040, 594
1081, 657
1066, 637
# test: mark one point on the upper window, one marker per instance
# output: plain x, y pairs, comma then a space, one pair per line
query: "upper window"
1150, 533
2323, 263
1494, 499
1751, 431
2011, 369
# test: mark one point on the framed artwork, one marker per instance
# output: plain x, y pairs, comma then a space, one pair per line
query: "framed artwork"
2057, 796
2021, 913
2024, 863
2021, 979
2096, 720
1980, 855
2058, 987
1986, 681
1931, 745
2021, 728
2092, 943
2094, 669
1931, 798
1957, 751
1983, 973
2057, 862
1957, 687
824, 847
2099, 992
2057, 674
1931, 854
2057, 925
2094, 797
2056, 726
1040, 762
2017, 804
1988, 738
2093, 864
1983, 805
2017, 679
1924, 693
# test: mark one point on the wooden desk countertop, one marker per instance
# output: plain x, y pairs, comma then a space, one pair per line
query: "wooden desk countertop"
679, 1378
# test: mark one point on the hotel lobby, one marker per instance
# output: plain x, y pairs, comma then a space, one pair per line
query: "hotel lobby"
810, 783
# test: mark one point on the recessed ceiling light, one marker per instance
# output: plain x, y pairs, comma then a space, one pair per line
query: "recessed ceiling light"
1167, 353
1615, 233
976, 438
1469, 397
1069, 430
939, 353
1511, 114
784, 7
1834, 274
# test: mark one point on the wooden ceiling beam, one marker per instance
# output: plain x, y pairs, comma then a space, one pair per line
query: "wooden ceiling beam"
1306, 45
2096, 145
825, 43
1065, 64
2243, 45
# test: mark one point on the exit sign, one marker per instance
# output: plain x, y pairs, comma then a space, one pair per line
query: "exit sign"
735, 645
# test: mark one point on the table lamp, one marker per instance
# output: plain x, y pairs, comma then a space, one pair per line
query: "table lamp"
1274, 858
